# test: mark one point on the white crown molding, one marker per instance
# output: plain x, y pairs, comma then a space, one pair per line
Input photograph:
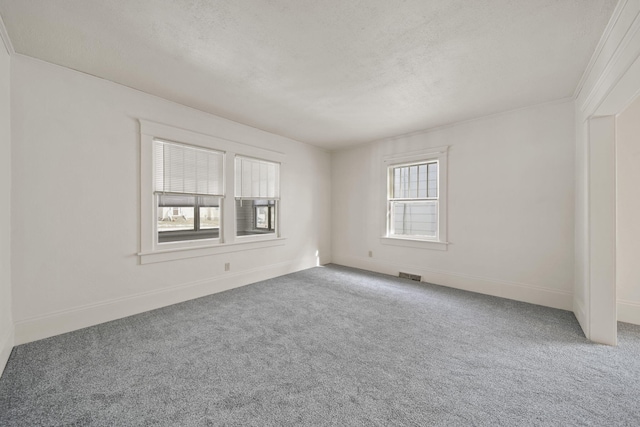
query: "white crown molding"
615, 16
621, 57
5, 38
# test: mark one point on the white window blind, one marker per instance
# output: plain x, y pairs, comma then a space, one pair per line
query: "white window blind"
257, 179
186, 169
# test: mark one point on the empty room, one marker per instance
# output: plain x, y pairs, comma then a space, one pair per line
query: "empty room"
284, 213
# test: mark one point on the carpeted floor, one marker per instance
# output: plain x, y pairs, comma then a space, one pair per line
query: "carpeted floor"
328, 346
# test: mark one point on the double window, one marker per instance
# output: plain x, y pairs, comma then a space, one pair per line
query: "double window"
189, 191
203, 195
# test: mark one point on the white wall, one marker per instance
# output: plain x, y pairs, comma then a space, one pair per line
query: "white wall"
628, 213
511, 206
76, 204
6, 323
609, 84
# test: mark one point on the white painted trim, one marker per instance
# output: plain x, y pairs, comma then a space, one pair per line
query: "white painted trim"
186, 136
617, 12
150, 249
581, 316
6, 345
414, 243
500, 288
427, 154
602, 230
629, 311
63, 321
194, 252
4, 35
615, 66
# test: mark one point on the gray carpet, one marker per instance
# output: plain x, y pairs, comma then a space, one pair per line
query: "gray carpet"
328, 346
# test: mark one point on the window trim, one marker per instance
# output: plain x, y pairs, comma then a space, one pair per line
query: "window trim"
439, 154
152, 251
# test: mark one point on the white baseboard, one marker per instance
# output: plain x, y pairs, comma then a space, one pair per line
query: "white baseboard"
499, 288
629, 312
581, 315
6, 343
64, 321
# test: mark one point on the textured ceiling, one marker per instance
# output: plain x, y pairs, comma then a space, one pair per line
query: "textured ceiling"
330, 73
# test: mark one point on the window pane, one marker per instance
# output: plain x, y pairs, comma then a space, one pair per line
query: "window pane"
174, 218
433, 180
209, 218
422, 181
262, 217
255, 217
415, 181
415, 218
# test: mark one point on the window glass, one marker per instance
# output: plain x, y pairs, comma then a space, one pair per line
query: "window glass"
186, 217
415, 218
209, 217
255, 217
175, 218
413, 200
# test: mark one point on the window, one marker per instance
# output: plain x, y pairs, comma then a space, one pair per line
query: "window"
257, 188
188, 218
413, 200
415, 211
190, 186
188, 190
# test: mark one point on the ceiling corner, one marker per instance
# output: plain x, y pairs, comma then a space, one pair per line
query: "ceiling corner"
5, 38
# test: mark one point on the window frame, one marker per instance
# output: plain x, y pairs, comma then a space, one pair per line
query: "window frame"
150, 250
430, 155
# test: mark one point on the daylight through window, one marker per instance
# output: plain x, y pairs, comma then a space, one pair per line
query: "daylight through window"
413, 200
257, 191
188, 189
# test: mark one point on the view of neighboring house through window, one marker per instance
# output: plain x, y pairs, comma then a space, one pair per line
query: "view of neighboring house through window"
257, 191
188, 189
413, 200
265, 215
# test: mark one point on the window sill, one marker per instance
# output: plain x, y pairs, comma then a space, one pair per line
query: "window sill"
414, 243
163, 255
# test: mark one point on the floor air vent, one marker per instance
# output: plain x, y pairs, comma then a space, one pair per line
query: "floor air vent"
409, 276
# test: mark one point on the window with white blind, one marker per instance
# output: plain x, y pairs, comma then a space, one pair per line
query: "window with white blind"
416, 198
188, 186
203, 195
257, 191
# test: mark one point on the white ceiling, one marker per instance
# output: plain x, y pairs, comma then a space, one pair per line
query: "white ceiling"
330, 73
